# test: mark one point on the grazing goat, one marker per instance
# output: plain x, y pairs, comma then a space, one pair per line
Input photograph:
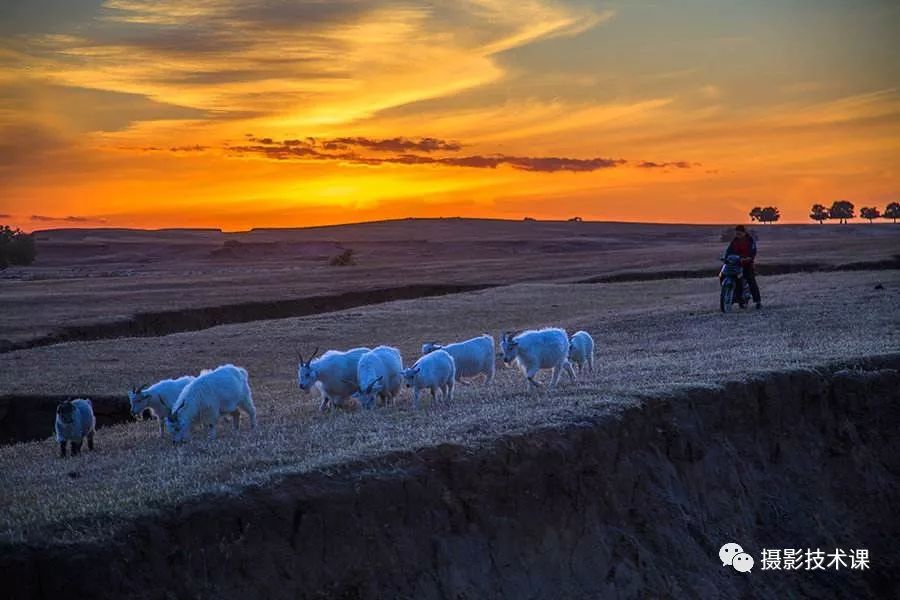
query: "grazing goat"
581, 351
222, 391
74, 422
160, 398
534, 350
434, 371
472, 357
379, 373
333, 373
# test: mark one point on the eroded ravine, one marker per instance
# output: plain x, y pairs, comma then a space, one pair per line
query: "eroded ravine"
166, 322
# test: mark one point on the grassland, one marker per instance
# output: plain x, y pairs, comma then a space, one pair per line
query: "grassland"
653, 338
85, 277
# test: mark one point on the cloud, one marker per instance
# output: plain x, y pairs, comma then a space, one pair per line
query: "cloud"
5, 216
312, 150
69, 219
88, 110
188, 148
301, 63
194, 148
679, 164
397, 144
23, 145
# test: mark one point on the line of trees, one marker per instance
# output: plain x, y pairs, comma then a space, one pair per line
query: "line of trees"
842, 210
16, 247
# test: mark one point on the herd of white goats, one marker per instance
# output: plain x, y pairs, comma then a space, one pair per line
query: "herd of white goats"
361, 373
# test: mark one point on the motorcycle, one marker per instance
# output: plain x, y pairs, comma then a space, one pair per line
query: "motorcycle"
731, 283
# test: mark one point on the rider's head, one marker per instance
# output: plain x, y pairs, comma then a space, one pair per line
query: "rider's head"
740, 231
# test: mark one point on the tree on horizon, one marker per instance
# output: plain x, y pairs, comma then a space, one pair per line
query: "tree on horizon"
841, 210
892, 211
869, 212
819, 213
769, 214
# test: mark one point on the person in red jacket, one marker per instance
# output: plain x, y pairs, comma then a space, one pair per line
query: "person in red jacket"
745, 246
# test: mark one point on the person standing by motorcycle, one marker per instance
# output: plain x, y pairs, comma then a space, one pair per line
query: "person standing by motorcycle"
744, 246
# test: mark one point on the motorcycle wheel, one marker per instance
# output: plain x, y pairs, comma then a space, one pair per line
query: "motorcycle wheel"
726, 298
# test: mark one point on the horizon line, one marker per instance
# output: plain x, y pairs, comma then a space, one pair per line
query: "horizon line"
523, 220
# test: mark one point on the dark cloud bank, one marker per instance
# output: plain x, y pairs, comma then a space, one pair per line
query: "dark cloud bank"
347, 149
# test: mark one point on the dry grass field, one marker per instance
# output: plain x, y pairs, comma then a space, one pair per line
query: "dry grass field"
85, 277
652, 337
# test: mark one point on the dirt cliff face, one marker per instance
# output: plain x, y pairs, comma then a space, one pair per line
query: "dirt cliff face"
622, 504
24, 418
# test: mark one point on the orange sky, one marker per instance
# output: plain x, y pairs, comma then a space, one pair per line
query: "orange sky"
243, 113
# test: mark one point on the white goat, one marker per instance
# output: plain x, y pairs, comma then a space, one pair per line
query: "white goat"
160, 398
472, 357
333, 373
379, 373
581, 351
434, 371
536, 350
222, 391
74, 422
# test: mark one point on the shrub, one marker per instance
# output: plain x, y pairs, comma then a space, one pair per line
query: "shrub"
16, 247
344, 259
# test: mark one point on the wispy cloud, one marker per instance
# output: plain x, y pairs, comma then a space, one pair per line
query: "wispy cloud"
219, 55
397, 144
68, 219
679, 164
194, 148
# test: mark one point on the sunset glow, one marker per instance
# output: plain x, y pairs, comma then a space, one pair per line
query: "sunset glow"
240, 114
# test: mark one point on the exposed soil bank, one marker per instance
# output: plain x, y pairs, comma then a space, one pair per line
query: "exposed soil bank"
762, 269
192, 319
25, 418
627, 504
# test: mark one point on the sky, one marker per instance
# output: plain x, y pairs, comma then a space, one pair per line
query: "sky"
260, 113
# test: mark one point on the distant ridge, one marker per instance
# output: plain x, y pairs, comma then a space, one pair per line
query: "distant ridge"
525, 225
90, 230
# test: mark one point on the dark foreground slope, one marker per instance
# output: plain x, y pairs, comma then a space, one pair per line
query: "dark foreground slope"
626, 502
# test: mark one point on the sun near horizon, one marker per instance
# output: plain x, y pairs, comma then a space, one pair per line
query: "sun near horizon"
235, 115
